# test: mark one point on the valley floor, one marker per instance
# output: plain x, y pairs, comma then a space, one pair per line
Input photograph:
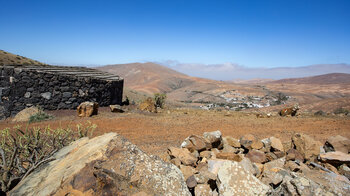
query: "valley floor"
153, 133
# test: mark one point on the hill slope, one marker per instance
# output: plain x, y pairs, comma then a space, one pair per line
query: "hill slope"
149, 77
7, 58
332, 78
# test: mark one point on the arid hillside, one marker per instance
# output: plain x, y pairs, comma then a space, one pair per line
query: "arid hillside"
7, 58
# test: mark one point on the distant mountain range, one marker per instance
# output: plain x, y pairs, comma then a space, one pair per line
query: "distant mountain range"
231, 71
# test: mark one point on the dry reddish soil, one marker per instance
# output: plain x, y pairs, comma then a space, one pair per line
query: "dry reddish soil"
155, 132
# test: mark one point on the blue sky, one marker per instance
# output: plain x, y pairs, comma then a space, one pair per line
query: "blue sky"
262, 33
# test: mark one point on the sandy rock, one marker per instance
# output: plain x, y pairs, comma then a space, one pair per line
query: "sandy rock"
276, 144
247, 140
176, 161
331, 168
228, 148
183, 154
335, 158
250, 167
116, 108
279, 163
270, 156
87, 109
148, 105
229, 156
256, 156
195, 142
307, 146
204, 176
232, 141
279, 154
257, 145
187, 171
24, 115
206, 154
234, 180
215, 138
337, 143
273, 176
202, 190
214, 165
101, 166
293, 155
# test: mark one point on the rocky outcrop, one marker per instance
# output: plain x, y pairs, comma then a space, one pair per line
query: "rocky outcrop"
24, 115
105, 165
337, 143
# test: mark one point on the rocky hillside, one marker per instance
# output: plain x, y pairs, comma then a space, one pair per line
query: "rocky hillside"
7, 58
332, 78
204, 165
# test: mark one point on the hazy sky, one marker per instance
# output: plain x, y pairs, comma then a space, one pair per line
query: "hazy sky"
262, 33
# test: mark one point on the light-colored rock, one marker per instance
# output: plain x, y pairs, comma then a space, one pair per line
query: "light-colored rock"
256, 156
187, 171
206, 154
183, 154
234, 180
176, 161
214, 165
202, 190
214, 137
148, 105
204, 176
257, 145
24, 115
267, 144
101, 166
307, 146
195, 142
191, 182
232, 141
344, 170
336, 158
46, 95
293, 155
87, 109
276, 144
250, 167
338, 143
116, 108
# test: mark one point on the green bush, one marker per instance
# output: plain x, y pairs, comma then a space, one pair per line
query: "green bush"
40, 116
22, 151
341, 111
159, 99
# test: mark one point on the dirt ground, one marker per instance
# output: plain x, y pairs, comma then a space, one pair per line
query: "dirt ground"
153, 133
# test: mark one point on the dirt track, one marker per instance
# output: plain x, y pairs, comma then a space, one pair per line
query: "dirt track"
155, 132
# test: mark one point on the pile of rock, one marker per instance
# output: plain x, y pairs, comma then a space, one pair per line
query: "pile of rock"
216, 165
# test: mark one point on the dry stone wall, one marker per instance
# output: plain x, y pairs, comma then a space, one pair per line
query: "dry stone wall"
55, 87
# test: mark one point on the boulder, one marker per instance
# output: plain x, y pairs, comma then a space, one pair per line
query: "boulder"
191, 182
24, 115
183, 154
232, 141
276, 144
195, 142
204, 176
214, 138
337, 143
307, 146
87, 109
294, 155
247, 140
187, 171
232, 179
104, 165
256, 156
257, 145
148, 105
229, 156
116, 108
335, 158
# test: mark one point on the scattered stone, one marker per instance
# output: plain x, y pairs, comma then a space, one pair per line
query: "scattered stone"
337, 143
183, 154
335, 158
205, 154
87, 109
234, 180
294, 155
202, 190
215, 138
270, 156
250, 167
257, 145
148, 105
229, 156
187, 171
116, 108
307, 146
204, 176
247, 140
344, 170
176, 161
195, 142
267, 144
232, 141
46, 95
331, 168
27, 95
228, 148
214, 165
256, 156
103, 165
276, 144
24, 115
191, 182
